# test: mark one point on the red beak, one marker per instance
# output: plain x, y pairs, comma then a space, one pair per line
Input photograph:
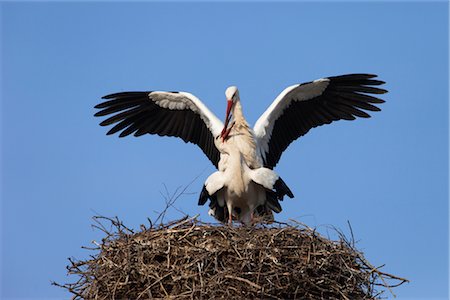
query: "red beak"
227, 118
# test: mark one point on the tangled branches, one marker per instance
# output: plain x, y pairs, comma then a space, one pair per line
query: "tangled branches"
191, 259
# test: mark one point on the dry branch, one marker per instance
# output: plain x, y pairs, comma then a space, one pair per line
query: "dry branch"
188, 259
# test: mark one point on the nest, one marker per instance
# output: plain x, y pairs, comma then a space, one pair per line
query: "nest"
191, 259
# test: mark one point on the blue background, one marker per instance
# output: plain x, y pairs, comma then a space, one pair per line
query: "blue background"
387, 176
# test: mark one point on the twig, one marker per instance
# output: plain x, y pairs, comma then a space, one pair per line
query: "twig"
256, 286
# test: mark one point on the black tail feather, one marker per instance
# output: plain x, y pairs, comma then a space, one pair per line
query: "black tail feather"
282, 189
219, 213
204, 196
272, 201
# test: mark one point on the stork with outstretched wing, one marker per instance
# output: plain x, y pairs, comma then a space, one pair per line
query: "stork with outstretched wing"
245, 183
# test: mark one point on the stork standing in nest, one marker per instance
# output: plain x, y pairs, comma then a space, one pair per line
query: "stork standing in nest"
245, 183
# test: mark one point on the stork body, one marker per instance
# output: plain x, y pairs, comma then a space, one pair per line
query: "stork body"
244, 183
241, 177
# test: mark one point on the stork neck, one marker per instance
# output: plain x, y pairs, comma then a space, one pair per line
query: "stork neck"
237, 112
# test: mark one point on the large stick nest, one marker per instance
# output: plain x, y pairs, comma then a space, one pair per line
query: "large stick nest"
190, 259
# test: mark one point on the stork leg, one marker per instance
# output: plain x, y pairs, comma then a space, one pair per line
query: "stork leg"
230, 213
252, 214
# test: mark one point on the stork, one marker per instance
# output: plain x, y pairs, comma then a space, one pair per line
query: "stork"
244, 183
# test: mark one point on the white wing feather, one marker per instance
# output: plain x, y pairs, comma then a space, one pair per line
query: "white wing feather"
299, 92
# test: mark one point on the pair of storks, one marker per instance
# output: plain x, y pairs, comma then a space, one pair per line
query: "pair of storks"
245, 184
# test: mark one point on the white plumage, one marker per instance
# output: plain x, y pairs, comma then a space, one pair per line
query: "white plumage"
245, 183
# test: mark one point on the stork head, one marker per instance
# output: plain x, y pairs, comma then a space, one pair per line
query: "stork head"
231, 92
232, 95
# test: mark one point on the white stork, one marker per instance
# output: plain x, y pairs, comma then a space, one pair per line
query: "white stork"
245, 183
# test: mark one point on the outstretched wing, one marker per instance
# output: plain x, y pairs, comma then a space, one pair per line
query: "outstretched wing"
304, 106
177, 114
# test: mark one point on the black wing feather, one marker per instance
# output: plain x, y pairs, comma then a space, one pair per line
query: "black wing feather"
136, 113
346, 97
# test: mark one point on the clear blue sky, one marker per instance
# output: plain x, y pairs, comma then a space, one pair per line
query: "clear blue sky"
387, 175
